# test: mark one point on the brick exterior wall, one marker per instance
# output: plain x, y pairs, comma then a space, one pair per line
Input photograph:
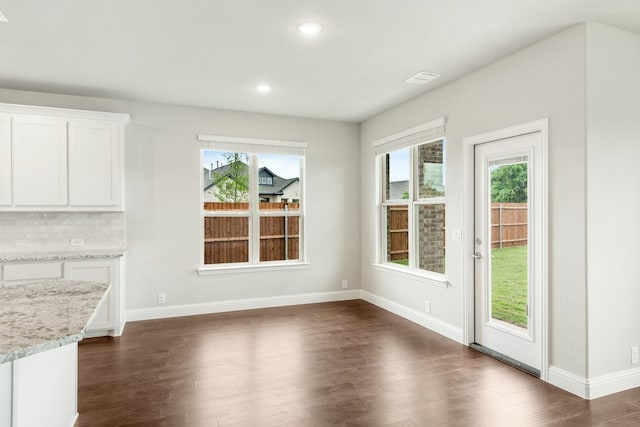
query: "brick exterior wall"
431, 218
431, 248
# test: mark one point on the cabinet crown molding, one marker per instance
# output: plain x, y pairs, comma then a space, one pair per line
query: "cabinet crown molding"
67, 113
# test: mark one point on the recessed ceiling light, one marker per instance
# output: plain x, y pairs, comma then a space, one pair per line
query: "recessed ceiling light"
422, 77
309, 28
3, 18
263, 88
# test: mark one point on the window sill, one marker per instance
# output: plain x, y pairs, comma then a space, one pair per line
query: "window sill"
246, 268
430, 278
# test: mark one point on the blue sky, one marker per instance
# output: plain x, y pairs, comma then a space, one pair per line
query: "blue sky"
399, 165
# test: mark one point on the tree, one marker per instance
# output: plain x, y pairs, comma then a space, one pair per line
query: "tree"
509, 183
232, 180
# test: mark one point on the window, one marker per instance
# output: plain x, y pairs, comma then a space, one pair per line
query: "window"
246, 213
412, 198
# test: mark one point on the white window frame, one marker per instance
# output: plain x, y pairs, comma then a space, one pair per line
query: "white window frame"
412, 138
253, 148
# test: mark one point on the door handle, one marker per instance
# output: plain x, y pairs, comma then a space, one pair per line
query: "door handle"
476, 255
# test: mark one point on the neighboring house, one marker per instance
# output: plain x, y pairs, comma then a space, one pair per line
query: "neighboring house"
272, 188
277, 189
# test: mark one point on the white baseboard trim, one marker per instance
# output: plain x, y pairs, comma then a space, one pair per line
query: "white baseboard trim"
567, 381
594, 388
614, 383
422, 319
236, 305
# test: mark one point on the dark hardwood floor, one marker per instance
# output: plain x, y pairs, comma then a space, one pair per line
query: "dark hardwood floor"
345, 363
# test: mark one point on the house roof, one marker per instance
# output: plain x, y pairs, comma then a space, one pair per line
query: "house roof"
208, 177
277, 189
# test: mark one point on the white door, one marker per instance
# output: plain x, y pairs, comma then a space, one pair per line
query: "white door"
39, 146
94, 163
508, 248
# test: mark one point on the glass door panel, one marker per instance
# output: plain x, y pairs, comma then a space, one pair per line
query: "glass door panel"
509, 249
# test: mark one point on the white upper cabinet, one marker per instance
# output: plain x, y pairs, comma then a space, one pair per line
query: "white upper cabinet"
54, 159
94, 163
5, 160
39, 146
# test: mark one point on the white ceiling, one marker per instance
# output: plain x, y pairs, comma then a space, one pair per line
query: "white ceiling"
212, 53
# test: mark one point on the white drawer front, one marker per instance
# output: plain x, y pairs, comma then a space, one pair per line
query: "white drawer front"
36, 271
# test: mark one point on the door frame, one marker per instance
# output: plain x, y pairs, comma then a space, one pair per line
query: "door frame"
468, 212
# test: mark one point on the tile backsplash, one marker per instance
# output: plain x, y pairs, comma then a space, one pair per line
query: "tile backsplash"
53, 231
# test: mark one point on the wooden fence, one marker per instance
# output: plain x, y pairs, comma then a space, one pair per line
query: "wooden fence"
509, 227
398, 233
226, 238
509, 224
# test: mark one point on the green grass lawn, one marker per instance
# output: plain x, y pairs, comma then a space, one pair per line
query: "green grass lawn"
509, 280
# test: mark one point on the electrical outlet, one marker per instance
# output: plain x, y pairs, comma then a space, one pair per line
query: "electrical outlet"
635, 355
77, 242
345, 285
427, 307
162, 298
457, 235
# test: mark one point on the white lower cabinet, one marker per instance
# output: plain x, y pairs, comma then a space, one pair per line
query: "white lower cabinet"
40, 389
109, 320
44, 388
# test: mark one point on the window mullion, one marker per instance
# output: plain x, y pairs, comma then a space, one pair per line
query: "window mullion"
254, 199
413, 193
302, 209
384, 240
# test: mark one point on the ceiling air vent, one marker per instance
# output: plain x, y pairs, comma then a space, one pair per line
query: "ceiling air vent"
422, 77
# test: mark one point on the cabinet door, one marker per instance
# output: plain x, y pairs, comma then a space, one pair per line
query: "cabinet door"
39, 146
104, 271
5, 160
94, 163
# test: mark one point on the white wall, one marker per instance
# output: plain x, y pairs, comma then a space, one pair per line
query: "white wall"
163, 197
544, 80
613, 200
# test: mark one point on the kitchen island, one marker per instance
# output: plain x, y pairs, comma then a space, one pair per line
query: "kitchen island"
40, 326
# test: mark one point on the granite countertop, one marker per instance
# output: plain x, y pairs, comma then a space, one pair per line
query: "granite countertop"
39, 316
60, 255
